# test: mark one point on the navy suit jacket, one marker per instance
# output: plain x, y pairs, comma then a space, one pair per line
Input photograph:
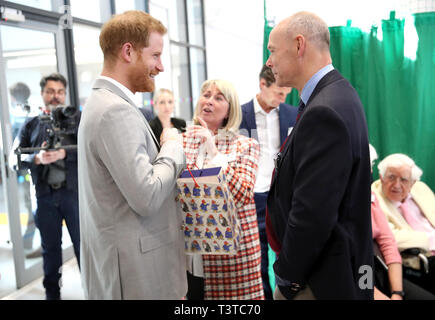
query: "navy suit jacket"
148, 114
319, 200
287, 118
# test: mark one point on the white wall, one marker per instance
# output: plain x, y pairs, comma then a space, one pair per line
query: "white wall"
234, 41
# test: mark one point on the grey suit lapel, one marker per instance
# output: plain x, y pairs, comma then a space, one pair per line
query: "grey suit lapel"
104, 84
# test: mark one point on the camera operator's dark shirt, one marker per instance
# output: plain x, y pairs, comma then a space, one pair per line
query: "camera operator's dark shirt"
32, 134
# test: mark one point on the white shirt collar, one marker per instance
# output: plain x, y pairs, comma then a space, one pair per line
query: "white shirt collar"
258, 108
312, 83
124, 89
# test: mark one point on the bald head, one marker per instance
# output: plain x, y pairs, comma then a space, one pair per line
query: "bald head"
299, 47
309, 25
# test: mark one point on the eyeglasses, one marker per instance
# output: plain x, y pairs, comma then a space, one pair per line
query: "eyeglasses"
392, 178
52, 92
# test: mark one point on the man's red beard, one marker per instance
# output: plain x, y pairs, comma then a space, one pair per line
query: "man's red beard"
140, 78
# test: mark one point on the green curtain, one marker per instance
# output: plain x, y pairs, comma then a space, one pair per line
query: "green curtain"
397, 92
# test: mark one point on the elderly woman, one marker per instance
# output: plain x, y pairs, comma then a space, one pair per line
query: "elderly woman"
164, 104
387, 245
408, 203
214, 141
394, 198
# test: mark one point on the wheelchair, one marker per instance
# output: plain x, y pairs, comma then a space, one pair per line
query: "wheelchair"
417, 270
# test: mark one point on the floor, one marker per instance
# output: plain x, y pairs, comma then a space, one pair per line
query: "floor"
71, 286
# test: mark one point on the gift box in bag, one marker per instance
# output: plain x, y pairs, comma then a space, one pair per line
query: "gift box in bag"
210, 220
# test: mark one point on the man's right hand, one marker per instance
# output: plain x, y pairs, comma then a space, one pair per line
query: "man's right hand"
46, 157
169, 134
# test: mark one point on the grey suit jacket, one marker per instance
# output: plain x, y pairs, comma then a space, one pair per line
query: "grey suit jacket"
131, 243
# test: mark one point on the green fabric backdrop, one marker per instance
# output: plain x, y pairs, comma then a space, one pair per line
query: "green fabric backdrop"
398, 93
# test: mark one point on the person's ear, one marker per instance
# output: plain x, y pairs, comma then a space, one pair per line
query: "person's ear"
300, 45
127, 52
262, 83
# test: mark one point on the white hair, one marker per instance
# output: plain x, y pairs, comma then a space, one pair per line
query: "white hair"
397, 160
373, 155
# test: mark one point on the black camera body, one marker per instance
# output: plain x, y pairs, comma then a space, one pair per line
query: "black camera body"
61, 132
61, 127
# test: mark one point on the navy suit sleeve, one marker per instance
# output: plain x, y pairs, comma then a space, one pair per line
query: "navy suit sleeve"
322, 160
244, 125
24, 136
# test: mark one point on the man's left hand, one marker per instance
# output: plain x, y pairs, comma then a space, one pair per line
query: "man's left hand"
287, 292
56, 155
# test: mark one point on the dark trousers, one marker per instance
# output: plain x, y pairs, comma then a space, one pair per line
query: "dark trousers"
413, 290
426, 281
60, 204
260, 205
195, 287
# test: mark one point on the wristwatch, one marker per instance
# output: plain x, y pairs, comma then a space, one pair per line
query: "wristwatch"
400, 293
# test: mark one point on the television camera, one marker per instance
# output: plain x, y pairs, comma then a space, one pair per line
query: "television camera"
61, 132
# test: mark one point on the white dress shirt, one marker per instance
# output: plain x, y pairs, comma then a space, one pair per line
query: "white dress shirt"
269, 140
124, 89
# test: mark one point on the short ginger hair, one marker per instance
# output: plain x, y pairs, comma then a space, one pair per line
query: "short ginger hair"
132, 26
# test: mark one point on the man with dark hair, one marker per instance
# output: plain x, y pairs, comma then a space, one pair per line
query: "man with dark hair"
52, 77
269, 120
54, 174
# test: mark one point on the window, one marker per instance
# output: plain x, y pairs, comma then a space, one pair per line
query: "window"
28, 55
180, 81
88, 58
186, 69
197, 70
95, 10
194, 15
39, 4
125, 5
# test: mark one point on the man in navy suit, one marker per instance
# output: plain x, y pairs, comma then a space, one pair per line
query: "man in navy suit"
148, 113
269, 120
318, 218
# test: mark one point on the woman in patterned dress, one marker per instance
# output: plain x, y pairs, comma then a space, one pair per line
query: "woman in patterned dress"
214, 141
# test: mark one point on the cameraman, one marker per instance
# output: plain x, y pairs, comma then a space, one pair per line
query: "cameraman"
54, 174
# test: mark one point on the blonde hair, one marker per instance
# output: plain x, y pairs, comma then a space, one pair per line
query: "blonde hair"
158, 94
397, 160
230, 94
133, 26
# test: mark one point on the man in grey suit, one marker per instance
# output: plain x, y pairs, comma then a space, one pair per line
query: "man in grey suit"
131, 243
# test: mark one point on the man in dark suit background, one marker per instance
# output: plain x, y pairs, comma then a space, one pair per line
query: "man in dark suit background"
318, 217
148, 113
268, 120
